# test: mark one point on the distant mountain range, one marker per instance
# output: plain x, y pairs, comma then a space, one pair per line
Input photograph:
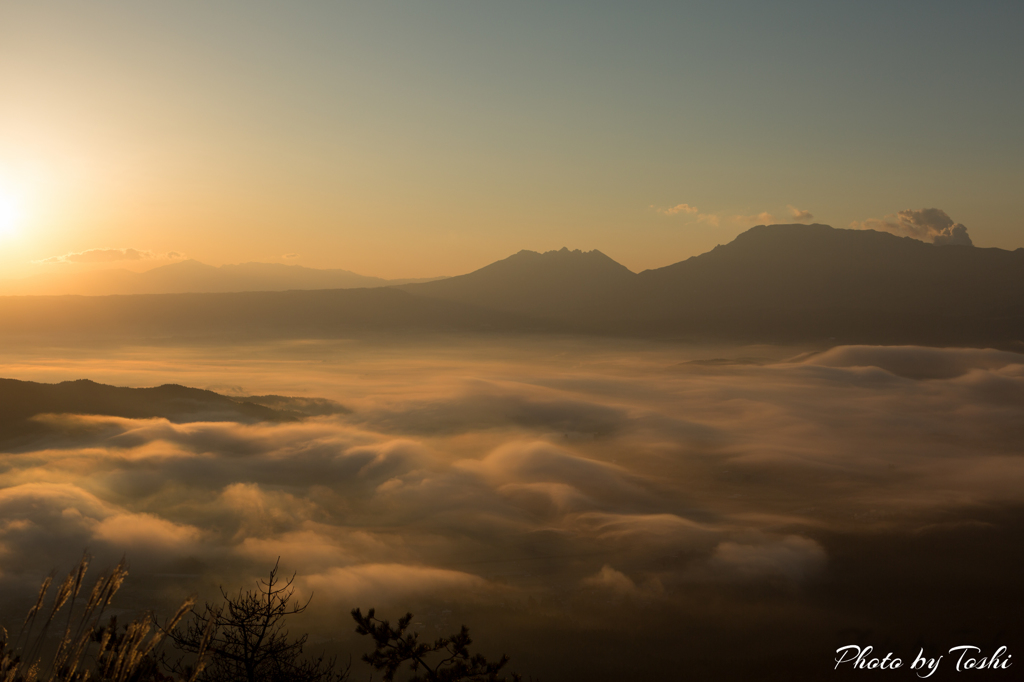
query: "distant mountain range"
775, 283
771, 282
191, 276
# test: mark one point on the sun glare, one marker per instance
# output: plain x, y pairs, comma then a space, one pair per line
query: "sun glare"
10, 216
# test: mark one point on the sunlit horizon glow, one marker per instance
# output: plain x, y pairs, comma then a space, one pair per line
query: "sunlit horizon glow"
427, 140
10, 216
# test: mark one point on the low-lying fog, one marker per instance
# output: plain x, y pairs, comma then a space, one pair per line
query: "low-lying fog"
596, 510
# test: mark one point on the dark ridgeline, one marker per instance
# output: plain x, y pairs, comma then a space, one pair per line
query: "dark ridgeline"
776, 283
809, 282
191, 276
20, 401
243, 316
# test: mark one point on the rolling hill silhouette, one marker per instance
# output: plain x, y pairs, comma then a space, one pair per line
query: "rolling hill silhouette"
246, 315
775, 283
191, 276
22, 401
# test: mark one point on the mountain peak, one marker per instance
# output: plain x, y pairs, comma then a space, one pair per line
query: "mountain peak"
560, 264
818, 233
539, 283
562, 256
787, 228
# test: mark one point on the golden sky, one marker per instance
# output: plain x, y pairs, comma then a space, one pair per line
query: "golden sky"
424, 139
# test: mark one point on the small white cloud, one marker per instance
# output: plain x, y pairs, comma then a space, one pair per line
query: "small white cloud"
799, 215
927, 224
763, 218
678, 208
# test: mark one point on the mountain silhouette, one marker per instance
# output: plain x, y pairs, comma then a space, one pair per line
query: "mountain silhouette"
191, 276
553, 285
21, 401
815, 281
773, 283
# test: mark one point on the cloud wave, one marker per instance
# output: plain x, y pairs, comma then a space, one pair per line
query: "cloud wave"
551, 496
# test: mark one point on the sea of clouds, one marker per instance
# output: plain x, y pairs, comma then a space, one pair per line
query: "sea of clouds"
540, 482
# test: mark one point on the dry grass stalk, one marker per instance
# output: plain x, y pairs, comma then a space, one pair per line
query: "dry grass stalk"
120, 658
39, 602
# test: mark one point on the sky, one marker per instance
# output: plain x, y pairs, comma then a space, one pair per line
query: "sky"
427, 139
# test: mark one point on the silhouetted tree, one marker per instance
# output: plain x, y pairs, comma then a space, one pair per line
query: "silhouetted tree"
245, 640
394, 647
